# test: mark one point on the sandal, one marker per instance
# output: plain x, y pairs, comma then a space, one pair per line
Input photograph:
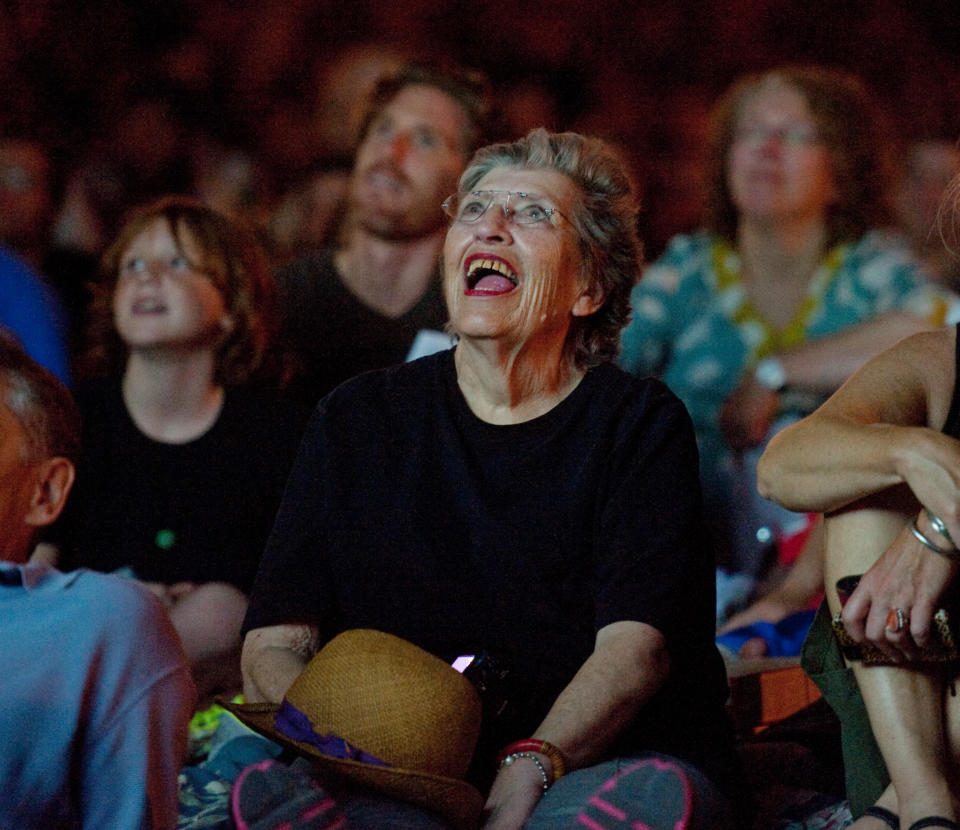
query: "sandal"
270, 796
652, 793
934, 821
891, 819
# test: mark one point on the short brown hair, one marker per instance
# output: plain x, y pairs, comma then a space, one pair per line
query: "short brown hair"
235, 261
469, 88
852, 130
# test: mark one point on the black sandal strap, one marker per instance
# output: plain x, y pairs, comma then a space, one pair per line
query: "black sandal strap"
934, 821
892, 820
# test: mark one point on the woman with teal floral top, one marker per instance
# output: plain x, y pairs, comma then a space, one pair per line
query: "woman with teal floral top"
790, 288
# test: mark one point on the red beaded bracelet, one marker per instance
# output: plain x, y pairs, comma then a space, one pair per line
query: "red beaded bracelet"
534, 745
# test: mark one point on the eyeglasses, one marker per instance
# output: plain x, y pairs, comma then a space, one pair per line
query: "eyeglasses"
525, 210
793, 135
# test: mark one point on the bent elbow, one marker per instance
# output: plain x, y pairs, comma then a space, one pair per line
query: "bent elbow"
766, 477
769, 474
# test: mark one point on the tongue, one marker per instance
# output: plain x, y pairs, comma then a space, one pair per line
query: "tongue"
494, 284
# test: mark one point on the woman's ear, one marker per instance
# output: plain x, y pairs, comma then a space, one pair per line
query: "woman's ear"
54, 478
588, 302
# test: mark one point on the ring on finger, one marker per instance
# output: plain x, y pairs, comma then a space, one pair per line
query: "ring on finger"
897, 620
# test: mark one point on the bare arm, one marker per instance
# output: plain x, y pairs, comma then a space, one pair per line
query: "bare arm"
881, 428
822, 365
628, 665
272, 658
799, 587
817, 367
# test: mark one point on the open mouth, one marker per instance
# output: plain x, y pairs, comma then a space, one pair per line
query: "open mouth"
148, 306
487, 276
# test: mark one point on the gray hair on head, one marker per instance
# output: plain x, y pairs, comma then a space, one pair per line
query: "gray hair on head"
605, 219
41, 404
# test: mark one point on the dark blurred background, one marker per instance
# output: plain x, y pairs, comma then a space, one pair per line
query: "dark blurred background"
265, 91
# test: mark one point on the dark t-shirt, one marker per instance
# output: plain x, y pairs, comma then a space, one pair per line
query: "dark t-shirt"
336, 336
952, 425
407, 513
199, 511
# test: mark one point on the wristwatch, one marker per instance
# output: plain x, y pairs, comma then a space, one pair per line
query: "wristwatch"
770, 373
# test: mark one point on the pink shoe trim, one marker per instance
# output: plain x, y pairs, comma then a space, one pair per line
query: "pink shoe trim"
235, 792
586, 821
684, 821
608, 808
620, 815
317, 809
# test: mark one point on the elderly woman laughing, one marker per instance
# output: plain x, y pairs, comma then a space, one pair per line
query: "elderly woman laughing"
520, 499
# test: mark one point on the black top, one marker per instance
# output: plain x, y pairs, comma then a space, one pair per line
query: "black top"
407, 513
334, 334
199, 511
952, 426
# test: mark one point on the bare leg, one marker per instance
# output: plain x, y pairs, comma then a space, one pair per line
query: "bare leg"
905, 706
208, 618
952, 708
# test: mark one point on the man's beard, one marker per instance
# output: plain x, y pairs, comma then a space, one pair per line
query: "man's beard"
381, 218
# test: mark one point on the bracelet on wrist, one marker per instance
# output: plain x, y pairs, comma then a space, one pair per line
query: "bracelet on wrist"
557, 762
950, 553
512, 758
939, 525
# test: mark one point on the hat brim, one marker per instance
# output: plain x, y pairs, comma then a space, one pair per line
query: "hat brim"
454, 799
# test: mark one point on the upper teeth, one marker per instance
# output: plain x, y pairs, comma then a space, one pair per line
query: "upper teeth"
492, 265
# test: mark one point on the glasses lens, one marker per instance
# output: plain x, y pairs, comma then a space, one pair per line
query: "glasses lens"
467, 207
521, 208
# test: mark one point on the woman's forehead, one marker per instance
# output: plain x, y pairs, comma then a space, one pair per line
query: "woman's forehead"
553, 185
776, 95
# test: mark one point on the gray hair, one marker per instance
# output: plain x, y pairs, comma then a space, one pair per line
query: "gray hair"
605, 219
42, 405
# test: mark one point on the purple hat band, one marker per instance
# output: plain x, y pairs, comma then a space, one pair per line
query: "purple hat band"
294, 724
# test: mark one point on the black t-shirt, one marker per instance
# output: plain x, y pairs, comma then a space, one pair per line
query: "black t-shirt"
199, 511
336, 336
407, 513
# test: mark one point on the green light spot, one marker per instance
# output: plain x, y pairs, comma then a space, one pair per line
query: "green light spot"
165, 539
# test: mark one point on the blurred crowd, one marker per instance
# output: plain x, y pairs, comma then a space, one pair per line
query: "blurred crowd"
254, 107
203, 199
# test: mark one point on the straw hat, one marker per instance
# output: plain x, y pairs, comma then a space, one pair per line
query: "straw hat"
391, 700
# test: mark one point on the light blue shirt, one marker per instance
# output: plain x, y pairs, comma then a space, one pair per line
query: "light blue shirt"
97, 697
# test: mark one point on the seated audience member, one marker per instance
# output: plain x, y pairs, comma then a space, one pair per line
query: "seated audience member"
882, 459
26, 197
183, 466
777, 620
97, 693
519, 497
927, 168
370, 296
141, 152
753, 321
28, 191
30, 312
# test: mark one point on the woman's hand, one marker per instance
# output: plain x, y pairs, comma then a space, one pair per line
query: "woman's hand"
515, 793
748, 414
929, 463
908, 577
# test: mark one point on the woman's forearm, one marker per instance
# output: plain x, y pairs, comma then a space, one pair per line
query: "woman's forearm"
820, 464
